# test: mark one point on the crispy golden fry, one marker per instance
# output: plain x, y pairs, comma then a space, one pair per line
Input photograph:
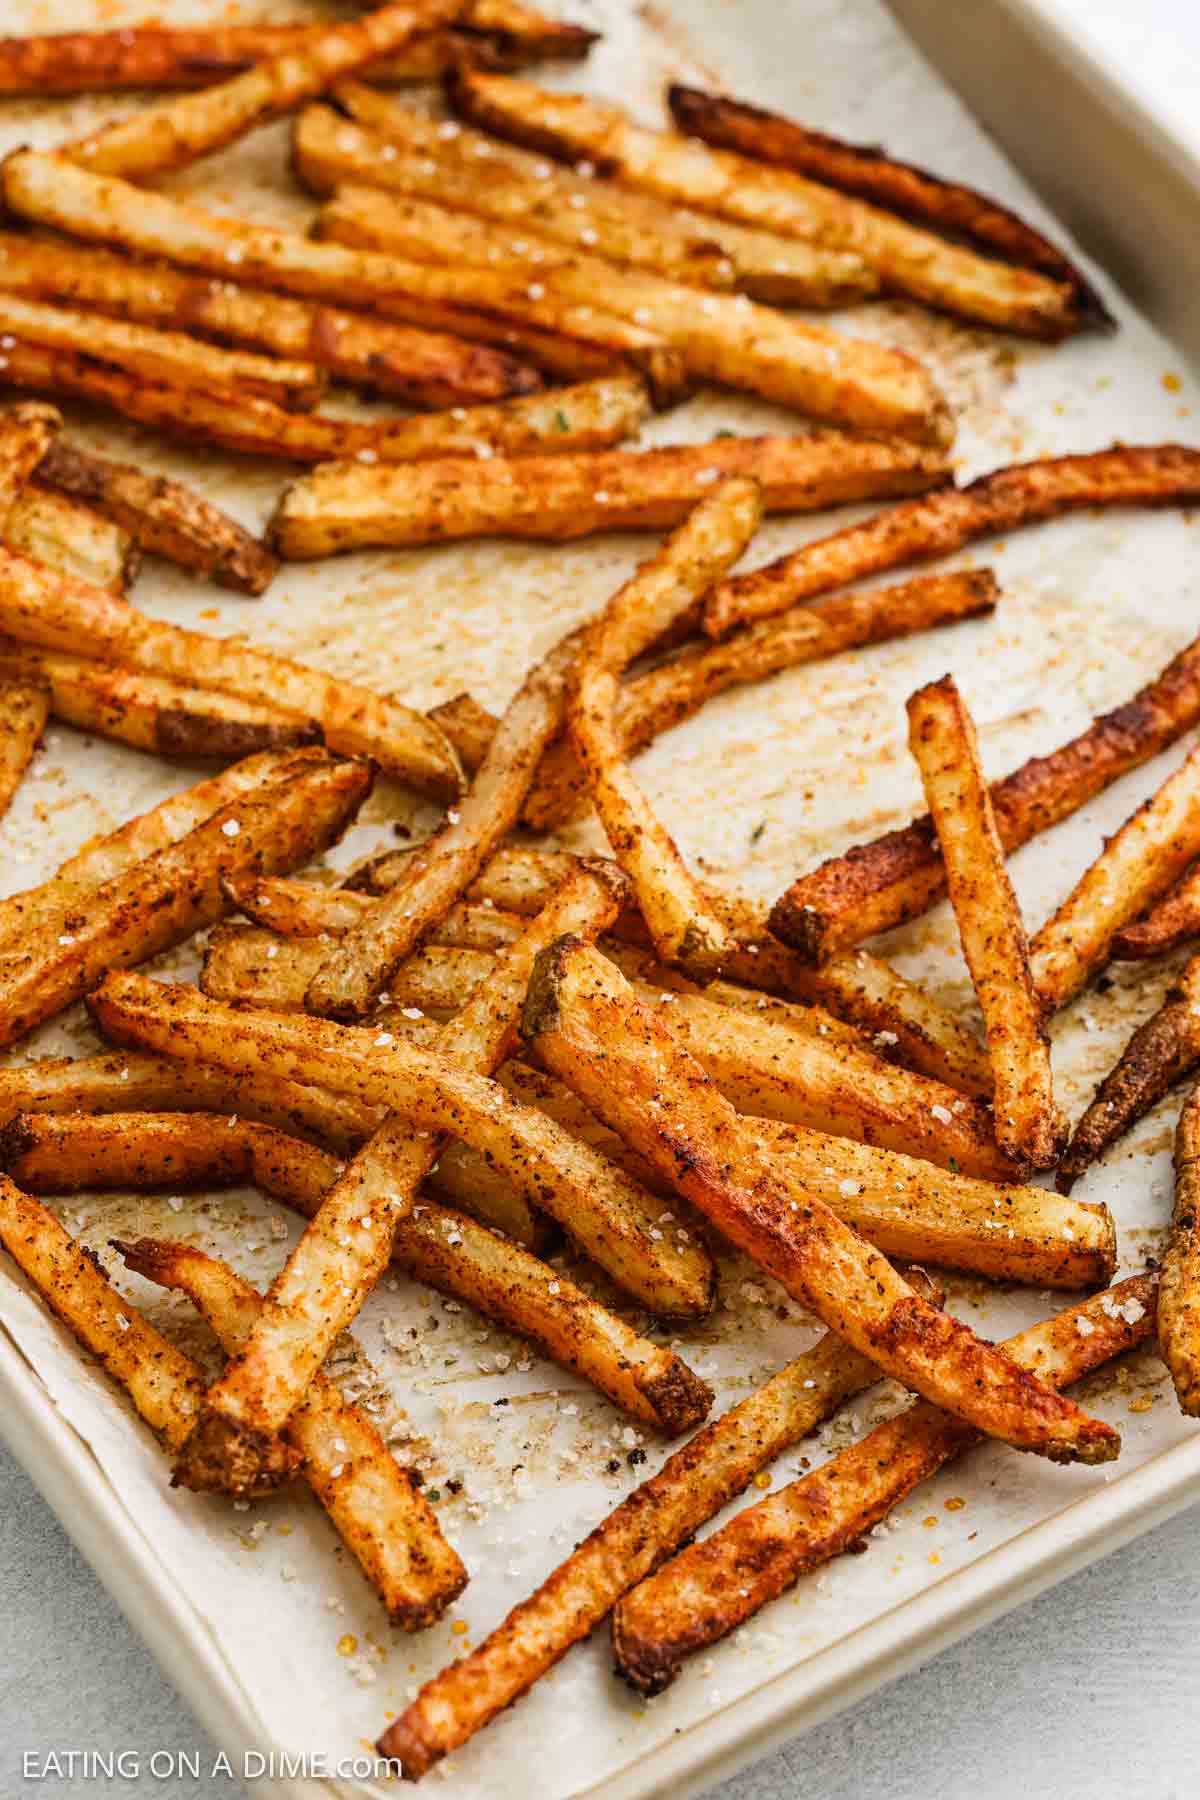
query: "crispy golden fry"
425, 368
162, 516
406, 152
357, 968
1179, 1297
683, 926
711, 1588
50, 528
255, 968
559, 497
693, 1484
377, 1508
909, 261
26, 433
41, 608
23, 711
178, 132
589, 1028
177, 891
496, 32
1135, 868
179, 723
869, 173
942, 738
1160, 1053
724, 338
571, 341
900, 875
1166, 926
1004, 501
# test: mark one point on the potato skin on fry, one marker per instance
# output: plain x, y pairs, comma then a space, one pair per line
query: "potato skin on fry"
1179, 1289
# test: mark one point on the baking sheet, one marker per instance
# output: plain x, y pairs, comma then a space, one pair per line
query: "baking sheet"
786, 772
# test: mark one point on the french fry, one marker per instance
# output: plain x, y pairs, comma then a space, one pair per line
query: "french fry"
559, 497
711, 1588
404, 152
1168, 924
724, 338
900, 875
1136, 867
358, 966
683, 926
255, 968
1001, 502
26, 433
50, 528
179, 723
39, 607
162, 516
177, 891
1178, 1297
570, 341
910, 261
431, 369
376, 1507
869, 173
23, 711
942, 738
177, 132
1159, 1054
153, 56
589, 1028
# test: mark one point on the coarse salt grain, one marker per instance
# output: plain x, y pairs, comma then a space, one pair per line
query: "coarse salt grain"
941, 1114
231, 828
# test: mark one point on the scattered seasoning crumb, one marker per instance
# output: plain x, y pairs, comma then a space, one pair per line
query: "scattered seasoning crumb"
955, 1503
763, 1479
347, 1644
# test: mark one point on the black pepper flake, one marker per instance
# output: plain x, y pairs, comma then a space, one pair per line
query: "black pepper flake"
635, 1457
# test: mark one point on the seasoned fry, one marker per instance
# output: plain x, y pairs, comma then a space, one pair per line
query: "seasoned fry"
179, 723
425, 368
72, 539
559, 497
41, 608
357, 968
724, 338
1167, 925
26, 433
693, 1484
910, 261
377, 1508
1160, 1053
178, 132
177, 891
869, 173
900, 875
405, 152
711, 1588
1179, 1294
162, 516
255, 968
916, 530
944, 744
23, 710
589, 1028
1136, 866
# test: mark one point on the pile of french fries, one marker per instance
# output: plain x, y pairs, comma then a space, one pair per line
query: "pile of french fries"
484, 1046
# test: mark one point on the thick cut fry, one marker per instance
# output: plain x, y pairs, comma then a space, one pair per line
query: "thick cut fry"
426, 368
405, 152
559, 497
692, 1485
152, 56
869, 173
162, 516
73, 540
178, 132
180, 723
944, 744
1167, 925
356, 970
377, 1507
41, 608
26, 433
711, 1588
909, 261
900, 875
590, 1029
1136, 866
1160, 1053
682, 924
177, 891
1179, 1293
1002, 502
723, 338
23, 711
255, 968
